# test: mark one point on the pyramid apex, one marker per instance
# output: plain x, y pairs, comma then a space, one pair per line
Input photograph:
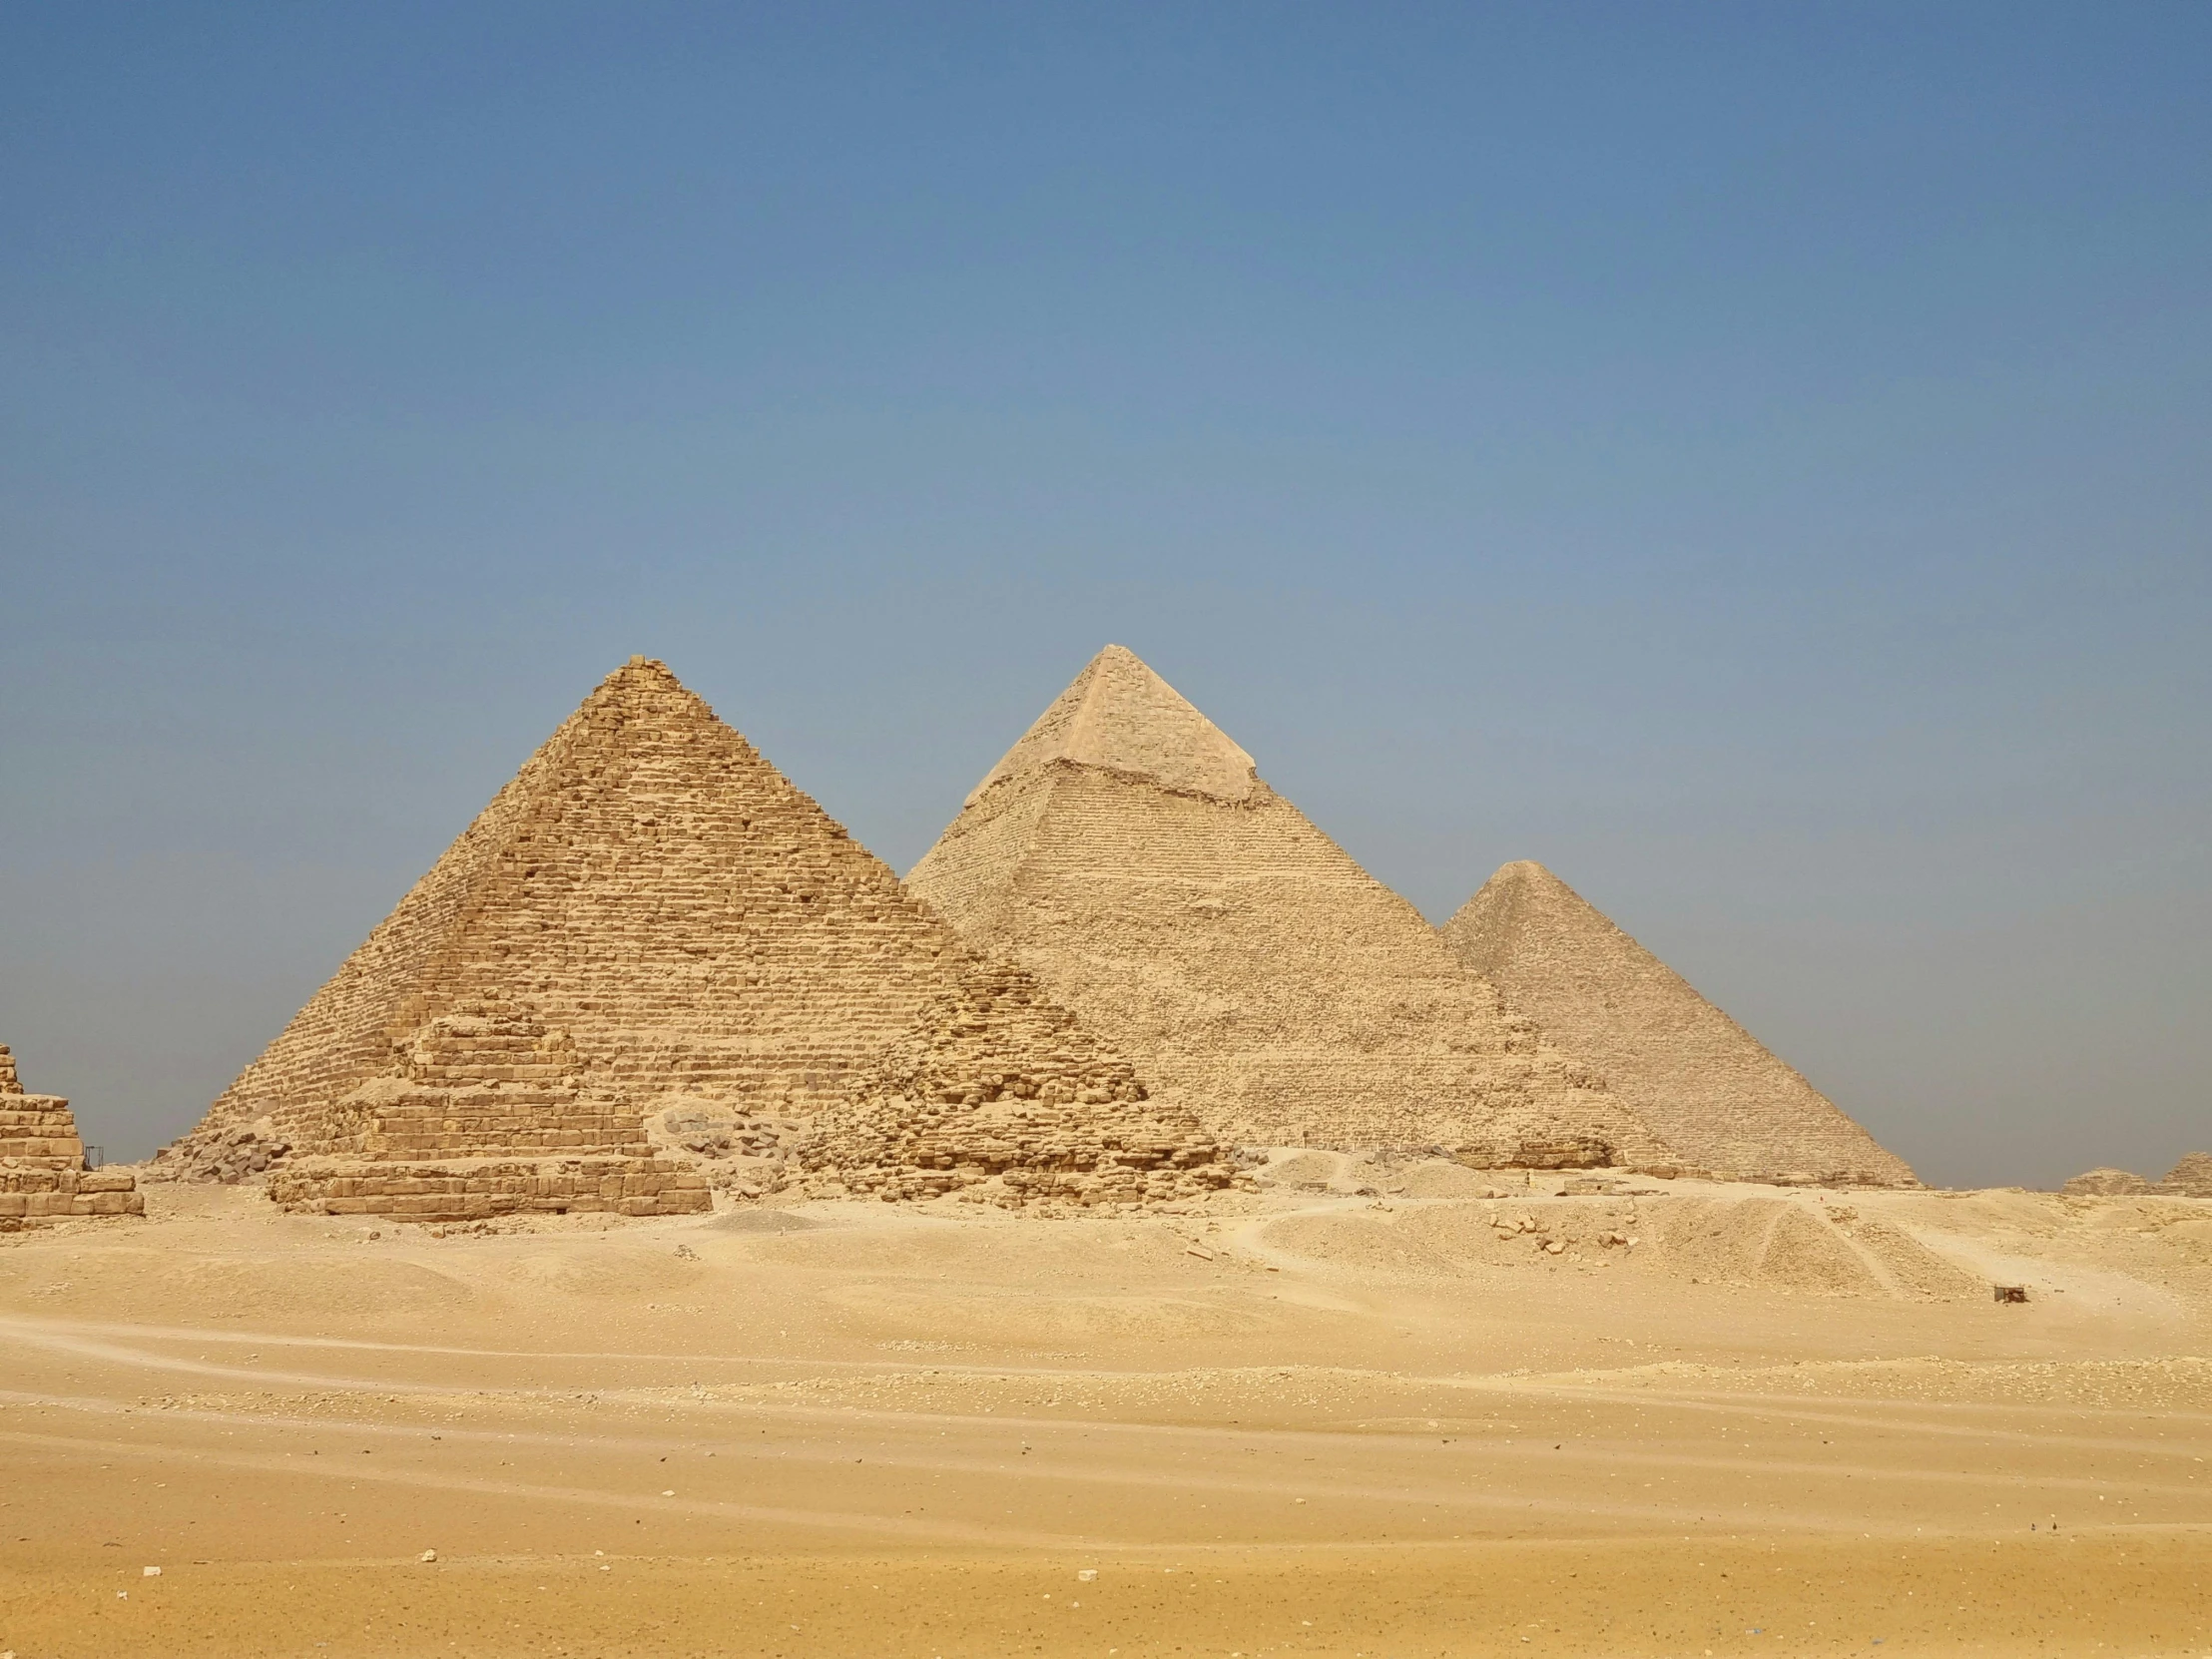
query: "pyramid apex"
1119, 716
644, 674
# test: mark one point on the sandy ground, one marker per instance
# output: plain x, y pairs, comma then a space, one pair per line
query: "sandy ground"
1319, 1422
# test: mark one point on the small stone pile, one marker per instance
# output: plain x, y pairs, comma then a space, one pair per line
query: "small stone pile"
998, 1096
42, 1178
481, 1113
237, 1153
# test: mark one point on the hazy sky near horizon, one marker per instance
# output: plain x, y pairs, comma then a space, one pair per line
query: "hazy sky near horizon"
1756, 460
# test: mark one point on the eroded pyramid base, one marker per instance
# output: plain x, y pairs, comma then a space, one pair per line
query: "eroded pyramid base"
42, 1178
997, 1095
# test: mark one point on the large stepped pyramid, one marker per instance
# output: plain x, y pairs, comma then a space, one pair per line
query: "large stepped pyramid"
648, 915
42, 1178
1126, 852
1697, 1077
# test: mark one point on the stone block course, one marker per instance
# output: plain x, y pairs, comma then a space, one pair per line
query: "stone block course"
42, 1178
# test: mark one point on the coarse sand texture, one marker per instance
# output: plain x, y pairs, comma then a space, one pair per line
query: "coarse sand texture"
1696, 1076
648, 915
1127, 853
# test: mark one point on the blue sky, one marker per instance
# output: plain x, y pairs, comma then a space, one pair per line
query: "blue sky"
1753, 459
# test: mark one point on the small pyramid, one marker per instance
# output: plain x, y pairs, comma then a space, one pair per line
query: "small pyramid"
43, 1175
1698, 1078
649, 913
2192, 1177
1127, 853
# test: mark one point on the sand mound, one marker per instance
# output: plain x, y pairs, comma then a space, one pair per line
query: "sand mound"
1763, 1243
764, 1220
1694, 1075
1127, 853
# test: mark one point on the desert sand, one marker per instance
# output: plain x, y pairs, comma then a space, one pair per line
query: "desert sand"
1364, 1411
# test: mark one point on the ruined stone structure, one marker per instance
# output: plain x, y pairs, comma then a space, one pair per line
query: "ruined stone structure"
1698, 1078
648, 919
2106, 1183
42, 1178
999, 1095
2192, 1177
1127, 853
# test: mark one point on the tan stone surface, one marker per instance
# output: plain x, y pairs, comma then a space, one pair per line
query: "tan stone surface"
2106, 1183
2192, 1176
42, 1178
1126, 855
999, 1096
1698, 1078
649, 913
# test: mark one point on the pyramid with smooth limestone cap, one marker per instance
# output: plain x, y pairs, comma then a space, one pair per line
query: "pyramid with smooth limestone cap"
649, 920
1127, 853
1697, 1077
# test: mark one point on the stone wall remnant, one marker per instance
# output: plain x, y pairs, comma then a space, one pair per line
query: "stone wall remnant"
43, 1174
